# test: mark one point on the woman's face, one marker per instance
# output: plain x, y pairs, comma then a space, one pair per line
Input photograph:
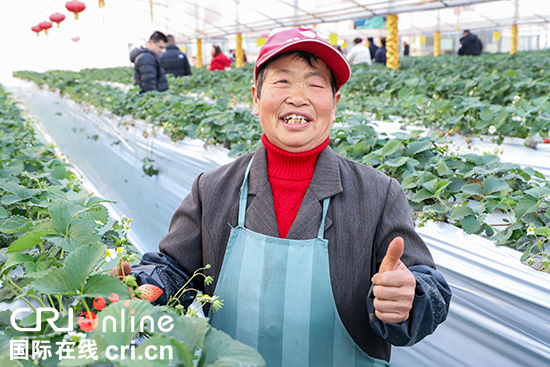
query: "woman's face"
296, 107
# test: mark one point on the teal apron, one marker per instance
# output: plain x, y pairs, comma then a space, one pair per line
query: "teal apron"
277, 298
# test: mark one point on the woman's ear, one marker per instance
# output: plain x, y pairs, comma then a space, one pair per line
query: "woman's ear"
336, 100
256, 101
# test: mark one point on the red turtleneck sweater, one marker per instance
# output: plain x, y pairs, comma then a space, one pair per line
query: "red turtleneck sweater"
289, 175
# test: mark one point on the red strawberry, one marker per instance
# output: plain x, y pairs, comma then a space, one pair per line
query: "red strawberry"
546, 141
113, 297
99, 303
88, 321
149, 292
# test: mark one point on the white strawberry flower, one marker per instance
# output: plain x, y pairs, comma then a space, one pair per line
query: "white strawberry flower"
530, 231
492, 129
110, 254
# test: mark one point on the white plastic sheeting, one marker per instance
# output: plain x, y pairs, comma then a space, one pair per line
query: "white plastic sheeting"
110, 158
500, 312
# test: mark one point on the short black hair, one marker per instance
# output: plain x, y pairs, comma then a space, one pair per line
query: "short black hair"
371, 40
170, 39
158, 36
302, 55
357, 40
383, 40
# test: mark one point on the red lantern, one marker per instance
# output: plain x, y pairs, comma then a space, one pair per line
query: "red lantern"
37, 29
57, 18
75, 6
45, 25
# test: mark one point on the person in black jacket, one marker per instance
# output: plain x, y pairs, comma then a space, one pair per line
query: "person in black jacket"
148, 73
471, 44
380, 55
406, 49
173, 60
372, 47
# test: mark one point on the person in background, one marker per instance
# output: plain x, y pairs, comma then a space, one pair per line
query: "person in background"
372, 47
322, 265
470, 44
173, 60
406, 49
233, 57
359, 53
219, 60
148, 72
380, 55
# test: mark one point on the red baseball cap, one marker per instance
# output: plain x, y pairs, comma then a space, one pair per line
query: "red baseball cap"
305, 39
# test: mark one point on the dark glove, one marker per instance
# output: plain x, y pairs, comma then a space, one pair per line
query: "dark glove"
163, 271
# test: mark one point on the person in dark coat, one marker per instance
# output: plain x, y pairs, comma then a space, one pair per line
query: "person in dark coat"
148, 72
406, 49
471, 44
173, 60
372, 47
380, 55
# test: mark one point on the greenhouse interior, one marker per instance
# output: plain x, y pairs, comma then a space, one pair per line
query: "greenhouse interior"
379, 174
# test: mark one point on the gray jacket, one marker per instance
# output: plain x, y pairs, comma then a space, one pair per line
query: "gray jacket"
367, 210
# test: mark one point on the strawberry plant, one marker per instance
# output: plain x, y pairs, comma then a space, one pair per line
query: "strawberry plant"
57, 245
461, 189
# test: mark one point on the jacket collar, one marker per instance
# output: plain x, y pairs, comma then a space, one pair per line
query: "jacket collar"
260, 214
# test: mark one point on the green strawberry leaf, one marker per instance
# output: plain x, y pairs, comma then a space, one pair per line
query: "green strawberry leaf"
81, 262
55, 281
15, 224
28, 240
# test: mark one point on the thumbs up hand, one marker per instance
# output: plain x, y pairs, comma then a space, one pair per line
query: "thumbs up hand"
394, 287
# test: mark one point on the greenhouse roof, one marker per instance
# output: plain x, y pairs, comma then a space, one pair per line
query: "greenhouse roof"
221, 18
103, 36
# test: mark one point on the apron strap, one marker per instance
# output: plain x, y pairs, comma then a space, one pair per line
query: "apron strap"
321, 233
244, 195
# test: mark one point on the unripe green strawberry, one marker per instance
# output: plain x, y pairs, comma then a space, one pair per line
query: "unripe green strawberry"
149, 292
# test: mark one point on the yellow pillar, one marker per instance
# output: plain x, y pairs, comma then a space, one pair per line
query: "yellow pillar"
151, 6
514, 47
199, 54
437, 43
239, 59
392, 43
